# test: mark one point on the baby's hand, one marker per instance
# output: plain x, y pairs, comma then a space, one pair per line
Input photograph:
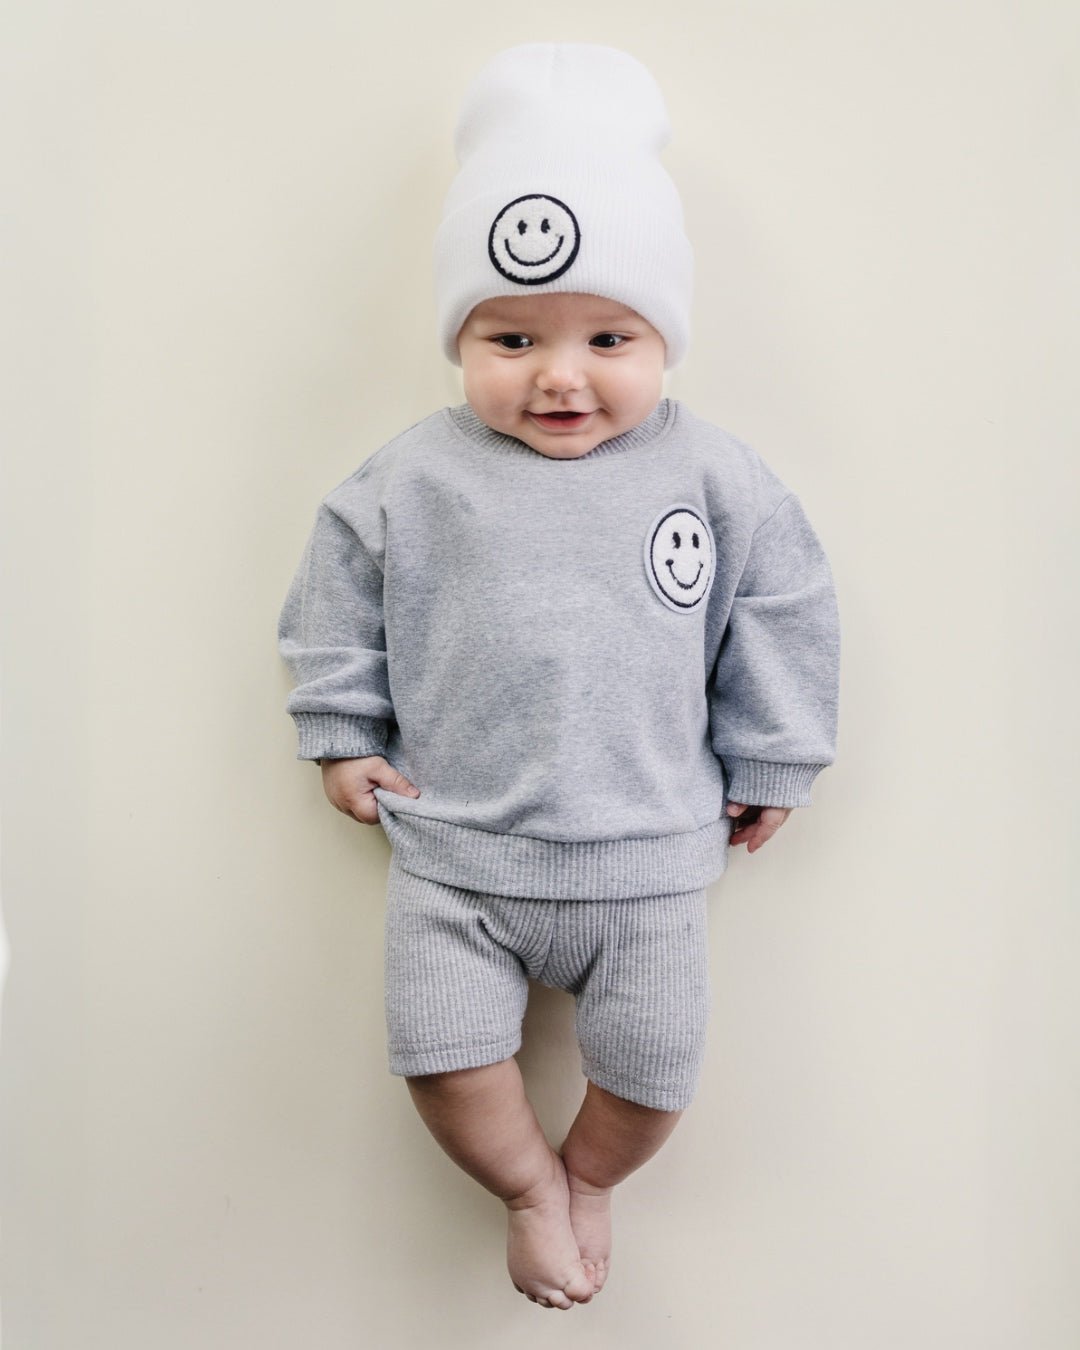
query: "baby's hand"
349, 784
761, 825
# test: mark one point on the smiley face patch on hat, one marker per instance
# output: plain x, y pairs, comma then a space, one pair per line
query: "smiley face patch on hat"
680, 558
534, 239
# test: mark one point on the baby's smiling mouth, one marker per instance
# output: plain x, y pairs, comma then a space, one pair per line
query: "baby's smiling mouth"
571, 420
521, 262
686, 586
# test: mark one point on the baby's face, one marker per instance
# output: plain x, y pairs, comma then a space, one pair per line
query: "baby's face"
527, 358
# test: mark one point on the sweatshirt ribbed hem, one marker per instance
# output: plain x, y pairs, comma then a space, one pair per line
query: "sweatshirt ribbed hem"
760, 783
527, 868
339, 736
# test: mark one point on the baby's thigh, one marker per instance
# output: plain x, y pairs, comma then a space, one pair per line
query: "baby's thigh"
455, 993
643, 1010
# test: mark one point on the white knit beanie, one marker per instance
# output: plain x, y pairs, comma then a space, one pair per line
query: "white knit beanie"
561, 189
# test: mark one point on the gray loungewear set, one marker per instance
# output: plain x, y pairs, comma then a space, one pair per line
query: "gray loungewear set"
579, 663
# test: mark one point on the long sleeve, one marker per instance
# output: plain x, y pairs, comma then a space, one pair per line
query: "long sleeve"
774, 695
332, 638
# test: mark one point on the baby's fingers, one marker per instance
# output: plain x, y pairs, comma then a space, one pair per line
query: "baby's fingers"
363, 805
356, 800
759, 829
384, 775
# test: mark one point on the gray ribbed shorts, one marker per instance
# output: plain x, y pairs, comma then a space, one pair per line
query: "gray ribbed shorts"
458, 962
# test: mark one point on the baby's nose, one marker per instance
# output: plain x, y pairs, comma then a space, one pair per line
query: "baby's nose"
560, 374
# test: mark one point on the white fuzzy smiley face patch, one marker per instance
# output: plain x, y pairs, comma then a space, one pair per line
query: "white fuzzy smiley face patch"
680, 558
534, 239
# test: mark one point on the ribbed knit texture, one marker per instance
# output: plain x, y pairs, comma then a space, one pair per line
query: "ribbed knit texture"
338, 736
457, 964
516, 864
753, 781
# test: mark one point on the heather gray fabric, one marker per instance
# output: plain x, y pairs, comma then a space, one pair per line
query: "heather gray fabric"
457, 964
577, 662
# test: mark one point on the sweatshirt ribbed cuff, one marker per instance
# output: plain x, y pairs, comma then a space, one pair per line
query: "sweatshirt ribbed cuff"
756, 782
337, 736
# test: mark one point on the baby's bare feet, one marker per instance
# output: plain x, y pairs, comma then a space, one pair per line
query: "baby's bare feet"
541, 1252
590, 1218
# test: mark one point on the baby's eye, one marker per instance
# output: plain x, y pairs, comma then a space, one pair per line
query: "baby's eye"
513, 342
607, 341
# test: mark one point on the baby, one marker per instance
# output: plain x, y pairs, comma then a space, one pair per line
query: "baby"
566, 642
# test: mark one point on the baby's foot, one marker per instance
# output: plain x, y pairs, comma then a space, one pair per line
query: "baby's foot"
590, 1218
541, 1253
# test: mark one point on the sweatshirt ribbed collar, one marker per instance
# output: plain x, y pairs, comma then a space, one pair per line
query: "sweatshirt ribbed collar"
656, 425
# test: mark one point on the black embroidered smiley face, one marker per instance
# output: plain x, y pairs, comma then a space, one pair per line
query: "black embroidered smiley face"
534, 239
680, 558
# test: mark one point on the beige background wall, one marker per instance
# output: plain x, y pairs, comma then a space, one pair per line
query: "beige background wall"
221, 220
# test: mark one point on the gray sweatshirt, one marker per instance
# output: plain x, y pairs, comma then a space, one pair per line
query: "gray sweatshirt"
577, 662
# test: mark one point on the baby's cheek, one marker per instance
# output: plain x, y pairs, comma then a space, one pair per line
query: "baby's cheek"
503, 387
490, 391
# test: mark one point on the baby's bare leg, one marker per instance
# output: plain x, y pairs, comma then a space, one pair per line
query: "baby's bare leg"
609, 1139
483, 1120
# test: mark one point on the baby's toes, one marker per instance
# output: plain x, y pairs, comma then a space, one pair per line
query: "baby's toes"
579, 1286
